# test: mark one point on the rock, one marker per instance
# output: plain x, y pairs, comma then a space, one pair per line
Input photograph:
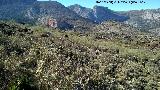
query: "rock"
46, 34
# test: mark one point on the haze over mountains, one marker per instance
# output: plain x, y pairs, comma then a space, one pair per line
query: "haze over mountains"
32, 11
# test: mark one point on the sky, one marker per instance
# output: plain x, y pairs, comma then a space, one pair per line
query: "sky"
149, 4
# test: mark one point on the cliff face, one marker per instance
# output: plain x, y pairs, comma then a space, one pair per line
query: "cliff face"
103, 14
82, 11
144, 19
97, 14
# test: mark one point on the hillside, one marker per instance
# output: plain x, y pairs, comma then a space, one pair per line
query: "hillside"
39, 58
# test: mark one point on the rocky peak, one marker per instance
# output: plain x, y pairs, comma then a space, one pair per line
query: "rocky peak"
101, 13
75, 6
79, 9
104, 13
82, 11
100, 8
97, 14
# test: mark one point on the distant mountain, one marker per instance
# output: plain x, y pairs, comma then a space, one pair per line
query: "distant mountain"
38, 12
52, 9
83, 11
32, 11
98, 13
144, 19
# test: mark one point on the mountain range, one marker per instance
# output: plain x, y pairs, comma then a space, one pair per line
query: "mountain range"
38, 12
33, 11
143, 19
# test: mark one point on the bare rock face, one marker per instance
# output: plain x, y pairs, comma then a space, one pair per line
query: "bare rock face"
97, 14
83, 11
103, 14
144, 19
150, 15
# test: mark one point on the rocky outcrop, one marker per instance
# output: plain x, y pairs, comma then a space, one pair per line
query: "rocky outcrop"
97, 14
144, 19
82, 11
103, 13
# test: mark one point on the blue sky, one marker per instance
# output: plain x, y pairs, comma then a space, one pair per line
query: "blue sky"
150, 4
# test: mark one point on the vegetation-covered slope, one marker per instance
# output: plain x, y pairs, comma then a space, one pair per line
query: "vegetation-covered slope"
39, 58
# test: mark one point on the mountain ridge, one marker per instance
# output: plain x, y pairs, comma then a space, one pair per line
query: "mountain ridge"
97, 14
40, 11
143, 19
37, 12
